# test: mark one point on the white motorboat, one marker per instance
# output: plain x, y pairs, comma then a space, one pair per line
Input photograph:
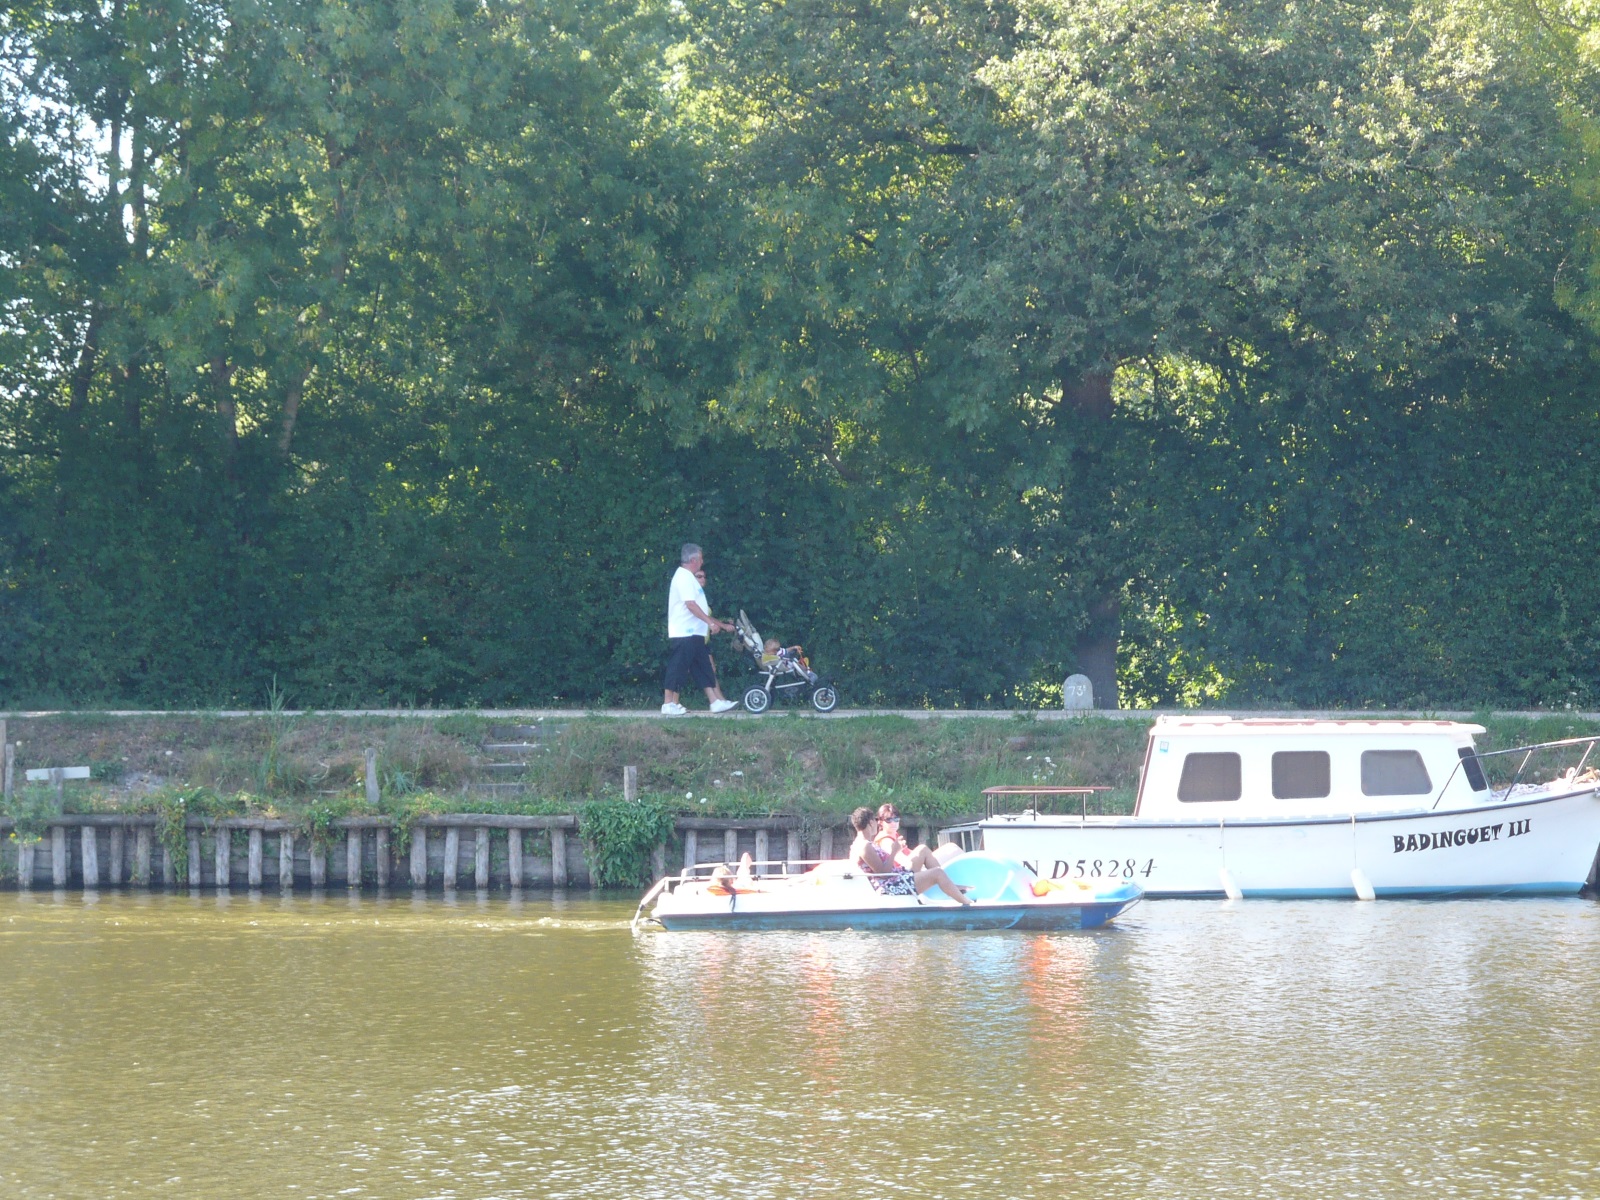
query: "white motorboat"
837, 895
1257, 807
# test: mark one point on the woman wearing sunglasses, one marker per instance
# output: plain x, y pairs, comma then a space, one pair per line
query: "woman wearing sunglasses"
887, 876
893, 845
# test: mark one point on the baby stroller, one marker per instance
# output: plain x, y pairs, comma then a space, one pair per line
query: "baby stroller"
788, 672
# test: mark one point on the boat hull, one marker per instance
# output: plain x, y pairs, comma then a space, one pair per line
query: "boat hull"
836, 896
1046, 917
1541, 846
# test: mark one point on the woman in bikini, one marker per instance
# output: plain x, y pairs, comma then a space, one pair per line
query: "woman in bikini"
888, 877
892, 842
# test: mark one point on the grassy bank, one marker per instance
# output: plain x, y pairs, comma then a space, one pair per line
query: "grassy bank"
310, 768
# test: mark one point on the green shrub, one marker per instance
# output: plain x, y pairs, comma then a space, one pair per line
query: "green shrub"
618, 836
32, 807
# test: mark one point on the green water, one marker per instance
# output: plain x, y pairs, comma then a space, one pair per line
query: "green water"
177, 1046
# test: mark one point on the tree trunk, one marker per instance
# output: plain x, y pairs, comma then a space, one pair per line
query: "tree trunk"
83, 372
132, 415
1089, 395
291, 411
1095, 652
227, 412
136, 185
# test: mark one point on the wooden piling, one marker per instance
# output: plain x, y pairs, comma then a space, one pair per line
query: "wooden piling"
25, 865
108, 860
691, 849
372, 777
90, 857
318, 858
58, 780
58, 855
514, 856
452, 856
825, 844
558, 858
381, 853
9, 779
630, 783
141, 856
419, 856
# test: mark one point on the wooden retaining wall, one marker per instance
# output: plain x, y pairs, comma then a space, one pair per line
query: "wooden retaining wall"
454, 850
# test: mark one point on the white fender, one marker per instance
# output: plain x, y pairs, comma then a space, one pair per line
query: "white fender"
1363, 885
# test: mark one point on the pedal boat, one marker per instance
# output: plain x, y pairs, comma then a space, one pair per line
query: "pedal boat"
836, 894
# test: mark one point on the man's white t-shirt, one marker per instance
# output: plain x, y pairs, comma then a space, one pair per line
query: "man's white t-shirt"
680, 621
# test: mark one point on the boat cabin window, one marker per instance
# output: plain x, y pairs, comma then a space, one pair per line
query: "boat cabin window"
1473, 769
1393, 773
1208, 777
1300, 774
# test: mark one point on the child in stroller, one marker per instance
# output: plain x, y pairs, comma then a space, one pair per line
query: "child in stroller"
784, 670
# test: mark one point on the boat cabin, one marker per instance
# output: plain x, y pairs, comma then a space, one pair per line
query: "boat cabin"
1230, 769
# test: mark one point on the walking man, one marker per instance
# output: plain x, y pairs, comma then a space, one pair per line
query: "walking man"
689, 623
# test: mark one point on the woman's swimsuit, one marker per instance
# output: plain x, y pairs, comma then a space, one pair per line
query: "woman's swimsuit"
900, 882
896, 851
897, 881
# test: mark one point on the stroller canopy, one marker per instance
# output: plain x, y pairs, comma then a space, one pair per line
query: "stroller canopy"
749, 637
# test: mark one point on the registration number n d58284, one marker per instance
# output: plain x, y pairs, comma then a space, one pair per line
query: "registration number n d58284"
1094, 868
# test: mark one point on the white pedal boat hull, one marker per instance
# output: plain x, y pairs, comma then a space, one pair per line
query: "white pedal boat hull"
836, 898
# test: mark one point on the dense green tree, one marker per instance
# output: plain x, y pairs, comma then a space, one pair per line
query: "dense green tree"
389, 351
979, 214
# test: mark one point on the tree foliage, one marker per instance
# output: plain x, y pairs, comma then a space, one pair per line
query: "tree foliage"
1221, 350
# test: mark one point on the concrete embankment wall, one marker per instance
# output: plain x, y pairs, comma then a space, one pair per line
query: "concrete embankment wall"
461, 850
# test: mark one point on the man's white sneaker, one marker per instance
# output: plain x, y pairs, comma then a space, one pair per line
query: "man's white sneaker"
723, 705
673, 710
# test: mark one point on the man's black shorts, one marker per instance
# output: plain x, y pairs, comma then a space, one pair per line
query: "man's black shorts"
689, 660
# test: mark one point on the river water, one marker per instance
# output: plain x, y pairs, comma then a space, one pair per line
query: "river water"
177, 1046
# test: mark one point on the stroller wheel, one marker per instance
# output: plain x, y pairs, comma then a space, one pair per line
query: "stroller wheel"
757, 700
823, 699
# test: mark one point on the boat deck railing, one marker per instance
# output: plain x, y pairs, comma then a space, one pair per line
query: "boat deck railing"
782, 870
776, 868
1024, 801
1535, 767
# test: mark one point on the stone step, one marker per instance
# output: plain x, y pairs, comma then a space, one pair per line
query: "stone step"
505, 768
514, 746
511, 733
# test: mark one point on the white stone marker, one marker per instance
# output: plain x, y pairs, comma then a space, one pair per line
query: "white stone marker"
1077, 693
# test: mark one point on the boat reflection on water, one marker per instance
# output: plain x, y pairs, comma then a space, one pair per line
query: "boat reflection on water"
862, 1014
823, 1014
